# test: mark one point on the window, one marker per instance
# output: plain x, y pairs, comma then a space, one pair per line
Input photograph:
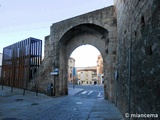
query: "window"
70, 75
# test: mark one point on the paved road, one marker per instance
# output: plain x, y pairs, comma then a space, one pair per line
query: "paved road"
90, 91
76, 107
88, 104
82, 103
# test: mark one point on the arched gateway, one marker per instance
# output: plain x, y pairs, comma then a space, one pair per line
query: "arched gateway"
96, 28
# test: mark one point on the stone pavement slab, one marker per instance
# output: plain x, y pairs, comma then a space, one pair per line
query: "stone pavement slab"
105, 110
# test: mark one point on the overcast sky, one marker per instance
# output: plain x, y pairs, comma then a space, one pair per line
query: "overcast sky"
20, 19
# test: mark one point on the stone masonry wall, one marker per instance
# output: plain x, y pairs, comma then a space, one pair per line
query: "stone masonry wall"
103, 18
138, 65
43, 78
98, 29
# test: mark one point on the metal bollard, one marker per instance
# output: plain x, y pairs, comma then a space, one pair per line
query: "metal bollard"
51, 88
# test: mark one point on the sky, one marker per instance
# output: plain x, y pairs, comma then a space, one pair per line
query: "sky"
86, 58
21, 19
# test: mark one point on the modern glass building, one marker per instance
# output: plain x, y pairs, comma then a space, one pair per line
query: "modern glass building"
20, 62
0, 65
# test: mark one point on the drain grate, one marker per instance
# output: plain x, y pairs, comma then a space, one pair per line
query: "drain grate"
19, 99
35, 104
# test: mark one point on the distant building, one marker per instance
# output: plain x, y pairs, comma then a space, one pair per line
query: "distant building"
87, 75
21, 61
100, 69
71, 65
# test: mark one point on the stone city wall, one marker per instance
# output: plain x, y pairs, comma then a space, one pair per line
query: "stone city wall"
138, 65
97, 28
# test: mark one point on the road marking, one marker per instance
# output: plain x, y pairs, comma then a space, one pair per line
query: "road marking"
90, 92
99, 95
84, 92
79, 103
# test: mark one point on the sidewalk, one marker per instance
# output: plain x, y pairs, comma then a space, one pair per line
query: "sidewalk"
105, 110
16, 91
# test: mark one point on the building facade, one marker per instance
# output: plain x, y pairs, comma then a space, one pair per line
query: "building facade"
71, 65
87, 75
20, 62
100, 69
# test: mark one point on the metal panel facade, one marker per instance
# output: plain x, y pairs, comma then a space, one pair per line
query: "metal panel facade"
20, 62
0, 66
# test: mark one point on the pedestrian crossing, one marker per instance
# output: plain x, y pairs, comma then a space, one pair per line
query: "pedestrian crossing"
84, 92
100, 95
92, 93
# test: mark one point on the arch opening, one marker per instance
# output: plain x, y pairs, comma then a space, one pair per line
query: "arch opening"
85, 69
77, 36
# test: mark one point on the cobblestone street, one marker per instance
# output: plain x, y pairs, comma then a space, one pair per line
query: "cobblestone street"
15, 106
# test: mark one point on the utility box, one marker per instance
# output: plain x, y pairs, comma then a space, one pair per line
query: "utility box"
21, 61
50, 89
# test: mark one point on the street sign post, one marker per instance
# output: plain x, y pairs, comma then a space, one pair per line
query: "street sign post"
54, 73
74, 74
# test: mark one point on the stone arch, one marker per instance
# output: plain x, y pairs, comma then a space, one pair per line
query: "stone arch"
82, 34
97, 28
84, 30
75, 37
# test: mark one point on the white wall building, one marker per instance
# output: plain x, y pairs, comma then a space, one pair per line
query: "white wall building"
87, 75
